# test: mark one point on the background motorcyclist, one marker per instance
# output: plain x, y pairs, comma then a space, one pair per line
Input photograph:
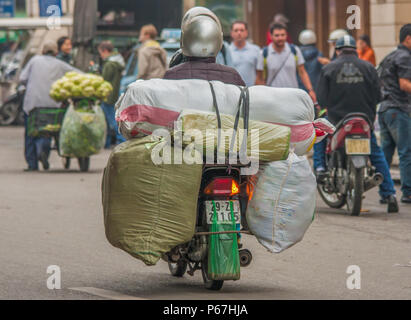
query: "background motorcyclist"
332, 40
349, 85
201, 41
312, 55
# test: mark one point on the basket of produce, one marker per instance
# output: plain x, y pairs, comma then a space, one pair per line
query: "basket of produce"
45, 121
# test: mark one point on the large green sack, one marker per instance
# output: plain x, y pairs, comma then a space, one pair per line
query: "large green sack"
148, 209
223, 256
83, 132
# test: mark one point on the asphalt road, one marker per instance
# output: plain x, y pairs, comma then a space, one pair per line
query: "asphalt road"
55, 218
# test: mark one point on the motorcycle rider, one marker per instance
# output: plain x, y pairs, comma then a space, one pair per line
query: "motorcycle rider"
332, 40
201, 41
349, 85
312, 55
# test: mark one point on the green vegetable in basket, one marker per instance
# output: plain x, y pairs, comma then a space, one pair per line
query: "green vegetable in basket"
71, 74
76, 91
88, 91
80, 85
67, 85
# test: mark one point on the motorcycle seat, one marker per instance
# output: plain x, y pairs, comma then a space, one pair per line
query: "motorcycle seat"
350, 116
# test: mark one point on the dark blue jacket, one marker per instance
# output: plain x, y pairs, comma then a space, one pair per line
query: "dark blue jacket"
313, 67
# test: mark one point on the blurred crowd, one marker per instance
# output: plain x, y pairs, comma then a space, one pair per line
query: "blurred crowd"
282, 63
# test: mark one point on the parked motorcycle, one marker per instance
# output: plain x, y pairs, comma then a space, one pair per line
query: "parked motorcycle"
11, 111
349, 171
221, 186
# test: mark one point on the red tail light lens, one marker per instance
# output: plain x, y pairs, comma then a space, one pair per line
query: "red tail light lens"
348, 127
222, 187
357, 127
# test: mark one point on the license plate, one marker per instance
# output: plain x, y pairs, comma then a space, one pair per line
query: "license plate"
358, 146
223, 212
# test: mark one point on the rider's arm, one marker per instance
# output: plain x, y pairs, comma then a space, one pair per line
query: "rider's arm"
307, 82
405, 85
322, 91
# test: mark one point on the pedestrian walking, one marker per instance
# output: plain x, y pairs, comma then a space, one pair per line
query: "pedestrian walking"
245, 55
365, 52
278, 18
64, 50
350, 85
311, 54
152, 59
39, 74
395, 110
279, 63
113, 66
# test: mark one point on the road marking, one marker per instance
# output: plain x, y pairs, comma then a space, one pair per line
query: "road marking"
108, 294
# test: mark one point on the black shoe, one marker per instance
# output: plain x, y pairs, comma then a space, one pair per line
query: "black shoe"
320, 175
30, 170
405, 199
392, 204
384, 201
44, 161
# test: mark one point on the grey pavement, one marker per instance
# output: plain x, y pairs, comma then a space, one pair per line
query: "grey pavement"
56, 218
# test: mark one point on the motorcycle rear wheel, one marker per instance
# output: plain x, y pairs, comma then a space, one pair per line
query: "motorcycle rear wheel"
9, 113
356, 191
333, 200
214, 285
178, 269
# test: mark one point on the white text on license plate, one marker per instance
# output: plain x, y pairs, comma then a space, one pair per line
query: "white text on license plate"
357, 146
223, 211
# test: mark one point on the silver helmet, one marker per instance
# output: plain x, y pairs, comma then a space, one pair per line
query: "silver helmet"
337, 34
201, 33
307, 37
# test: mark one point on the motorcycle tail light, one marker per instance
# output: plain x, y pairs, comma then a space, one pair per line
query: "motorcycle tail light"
348, 127
222, 187
366, 127
250, 192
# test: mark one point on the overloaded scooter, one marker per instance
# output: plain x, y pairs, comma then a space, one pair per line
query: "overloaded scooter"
349, 171
223, 190
221, 211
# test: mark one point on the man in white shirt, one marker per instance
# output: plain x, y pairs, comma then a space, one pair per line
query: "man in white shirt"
279, 63
244, 54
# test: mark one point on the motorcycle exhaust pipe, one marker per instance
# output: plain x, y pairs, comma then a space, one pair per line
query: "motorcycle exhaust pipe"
375, 181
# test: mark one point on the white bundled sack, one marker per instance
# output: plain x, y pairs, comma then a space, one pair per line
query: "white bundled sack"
283, 204
154, 104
